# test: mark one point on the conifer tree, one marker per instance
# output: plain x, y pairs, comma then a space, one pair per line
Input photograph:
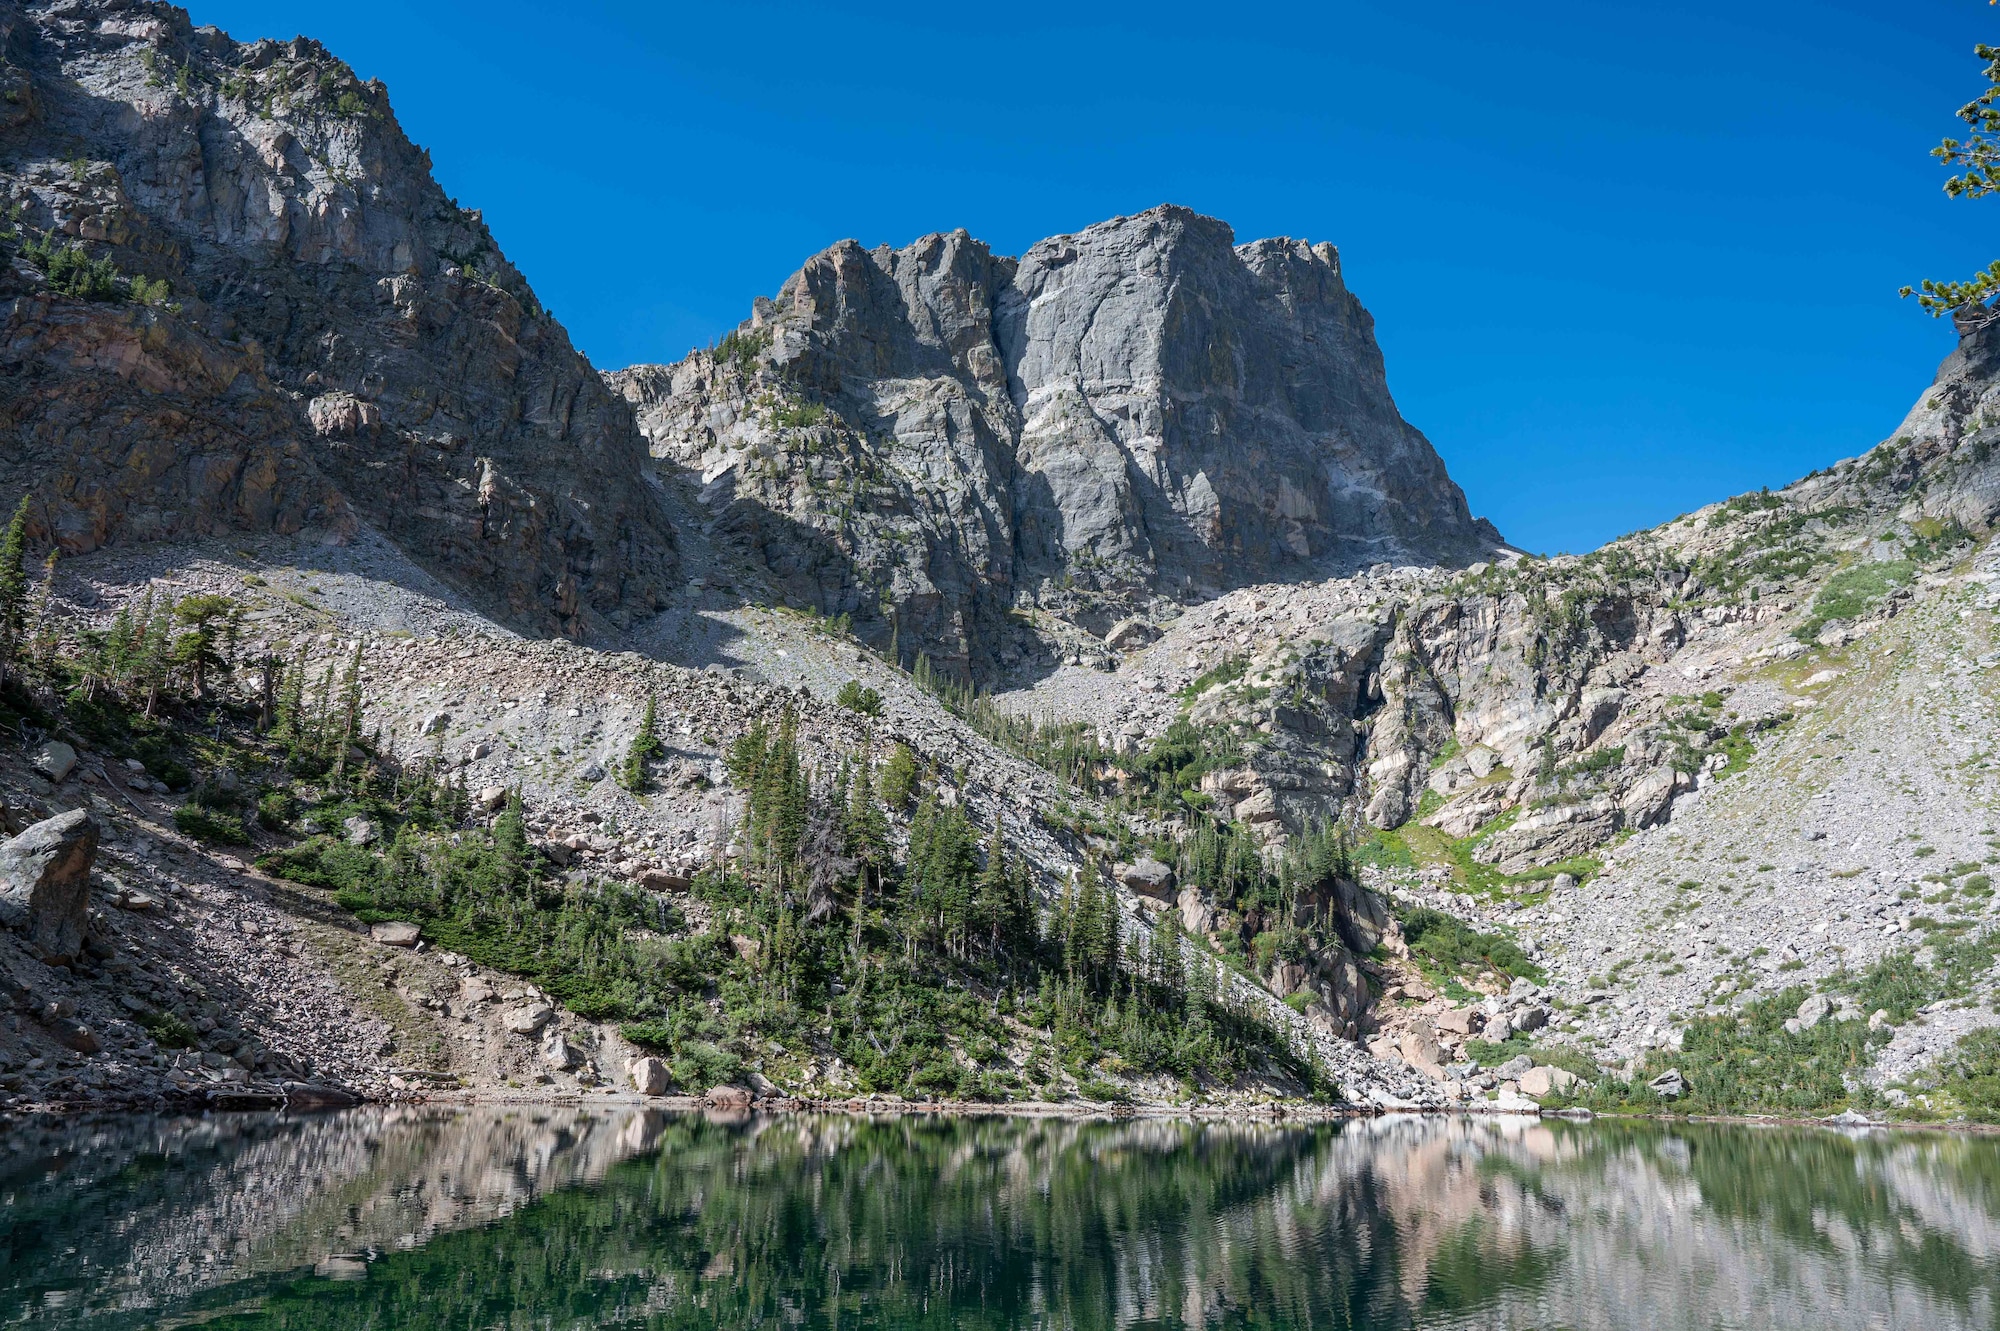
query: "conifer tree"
644, 748
899, 778
13, 587
350, 712
42, 637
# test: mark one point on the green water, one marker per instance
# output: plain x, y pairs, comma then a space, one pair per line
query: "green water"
557, 1219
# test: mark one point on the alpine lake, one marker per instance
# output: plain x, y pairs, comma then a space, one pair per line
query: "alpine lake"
555, 1217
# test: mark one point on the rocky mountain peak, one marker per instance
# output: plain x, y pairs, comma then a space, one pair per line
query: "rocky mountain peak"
1143, 410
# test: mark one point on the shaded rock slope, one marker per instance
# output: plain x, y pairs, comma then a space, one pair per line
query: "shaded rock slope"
1142, 413
291, 328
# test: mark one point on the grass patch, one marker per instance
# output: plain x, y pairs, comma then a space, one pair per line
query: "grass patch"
1852, 592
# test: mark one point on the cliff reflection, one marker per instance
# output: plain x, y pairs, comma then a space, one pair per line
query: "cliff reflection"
639, 1218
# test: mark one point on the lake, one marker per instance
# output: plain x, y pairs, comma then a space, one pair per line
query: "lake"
552, 1218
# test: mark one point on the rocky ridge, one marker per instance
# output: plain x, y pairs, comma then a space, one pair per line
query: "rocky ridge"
289, 327
1144, 412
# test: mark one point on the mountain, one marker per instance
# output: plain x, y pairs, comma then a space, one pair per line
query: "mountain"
1063, 678
317, 336
1139, 415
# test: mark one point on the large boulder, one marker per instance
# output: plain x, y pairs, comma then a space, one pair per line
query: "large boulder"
1148, 877
55, 760
1540, 1081
45, 883
649, 1076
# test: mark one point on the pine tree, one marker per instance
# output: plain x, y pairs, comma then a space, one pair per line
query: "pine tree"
867, 829
899, 778
350, 712
645, 746
992, 899
13, 587
43, 639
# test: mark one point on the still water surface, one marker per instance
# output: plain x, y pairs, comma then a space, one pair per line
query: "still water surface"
554, 1219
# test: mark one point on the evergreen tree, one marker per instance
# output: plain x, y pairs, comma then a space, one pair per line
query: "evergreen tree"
43, 640
350, 712
899, 778
13, 587
645, 747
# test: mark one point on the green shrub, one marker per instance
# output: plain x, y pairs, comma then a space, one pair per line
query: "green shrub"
1852, 592
1458, 949
1970, 1075
74, 273
168, 1031
214, 827
276, 809
857, 697
1105, 1092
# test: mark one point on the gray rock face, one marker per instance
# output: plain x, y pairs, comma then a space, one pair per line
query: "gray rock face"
45, 883
338, 342
924, 438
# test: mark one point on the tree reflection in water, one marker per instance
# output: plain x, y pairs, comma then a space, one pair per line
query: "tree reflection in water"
572, 1218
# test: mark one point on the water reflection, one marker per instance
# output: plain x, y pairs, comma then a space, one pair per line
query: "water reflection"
557, 1219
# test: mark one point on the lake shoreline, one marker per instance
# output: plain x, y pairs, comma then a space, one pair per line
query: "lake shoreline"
319, 1100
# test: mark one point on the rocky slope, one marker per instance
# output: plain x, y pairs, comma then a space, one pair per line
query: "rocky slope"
1143, 413
1151, 479
289, 328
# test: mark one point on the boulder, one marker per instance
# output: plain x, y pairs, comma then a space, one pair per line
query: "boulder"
435, 723
1530, 1018
663, 880
1515, 1067
1541, 1081
1647, 801
649, 1076
360, 831
560, 1054
1420, 1050
396, 933
1669, 1085
591, 771
45, 883
1197, 916
55, 760
729, 1097
1813, 1011
1461, 1021
1130, 635
72, 1034
530, 1020
493, 798
1147, 876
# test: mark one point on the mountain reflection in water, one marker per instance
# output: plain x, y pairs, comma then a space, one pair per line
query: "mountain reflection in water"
560, 1218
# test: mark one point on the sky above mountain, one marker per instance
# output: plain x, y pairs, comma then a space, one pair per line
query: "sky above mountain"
1623, 259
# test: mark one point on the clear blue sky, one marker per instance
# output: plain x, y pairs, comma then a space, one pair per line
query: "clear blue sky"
1624, 259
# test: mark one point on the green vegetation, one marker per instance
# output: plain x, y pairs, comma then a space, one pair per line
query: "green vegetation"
857, 697
1967, 1081
1852, 592
71, 271
645, 746
1977, 158
1746, 1062
1449, 952
742, 349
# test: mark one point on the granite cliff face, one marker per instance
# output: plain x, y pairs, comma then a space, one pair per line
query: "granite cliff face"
316, 336
1140, 414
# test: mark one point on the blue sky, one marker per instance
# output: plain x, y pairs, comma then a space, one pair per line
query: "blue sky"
1624, 259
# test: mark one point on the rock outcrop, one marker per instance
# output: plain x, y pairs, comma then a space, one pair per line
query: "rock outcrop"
1140, 414
45, 884
288, 327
